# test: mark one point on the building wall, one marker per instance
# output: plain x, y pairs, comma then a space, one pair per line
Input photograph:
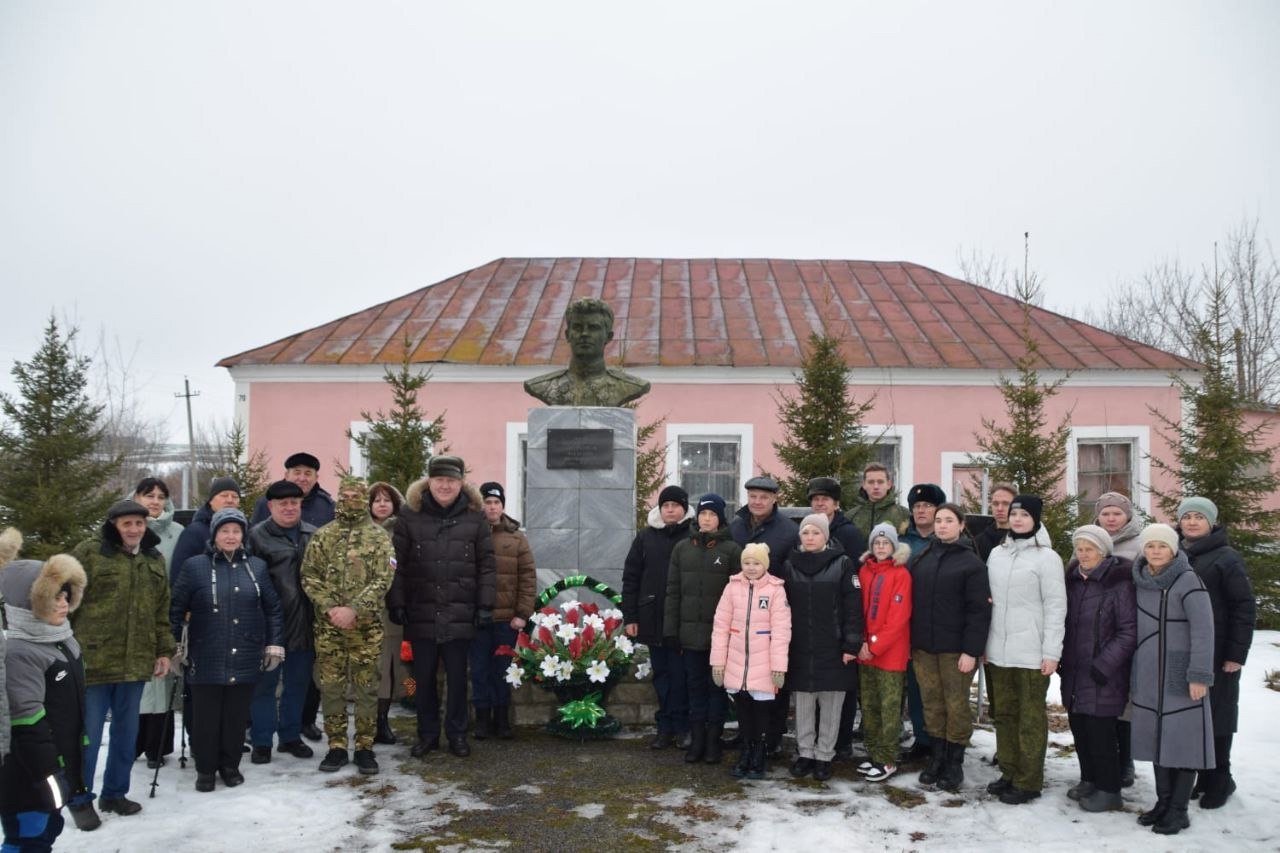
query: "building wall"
933, 424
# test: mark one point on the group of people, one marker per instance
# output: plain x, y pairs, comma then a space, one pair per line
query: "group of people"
252, 626
1147, 626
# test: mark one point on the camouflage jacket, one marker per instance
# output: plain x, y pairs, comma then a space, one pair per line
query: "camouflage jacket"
866, 514
349, 565
123, 623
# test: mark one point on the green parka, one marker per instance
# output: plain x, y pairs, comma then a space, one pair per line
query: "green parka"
123, 622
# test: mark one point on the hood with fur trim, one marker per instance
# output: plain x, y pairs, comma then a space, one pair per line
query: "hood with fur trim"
900, 555
10, 544
32, 585
413, 497
655, 517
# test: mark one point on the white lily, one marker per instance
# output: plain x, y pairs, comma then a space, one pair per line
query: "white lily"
565, 671
598, 672
612, 613
515, 675
594, 621
623, 644
567, 632
643, 670
550, 665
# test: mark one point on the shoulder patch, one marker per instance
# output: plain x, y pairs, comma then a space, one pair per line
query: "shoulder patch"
857, 582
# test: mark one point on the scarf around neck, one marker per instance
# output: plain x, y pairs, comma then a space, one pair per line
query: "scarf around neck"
24, 625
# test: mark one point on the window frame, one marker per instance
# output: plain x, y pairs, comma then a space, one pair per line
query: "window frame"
744, 434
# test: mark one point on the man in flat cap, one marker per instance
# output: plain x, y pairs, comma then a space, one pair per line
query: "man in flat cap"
317, 505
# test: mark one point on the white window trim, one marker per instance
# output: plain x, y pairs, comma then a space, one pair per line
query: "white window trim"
906, 436
949, 461
515, 431
745, 433
355, 458
1139, 434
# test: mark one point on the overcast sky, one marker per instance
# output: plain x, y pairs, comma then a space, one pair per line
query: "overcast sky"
201, 179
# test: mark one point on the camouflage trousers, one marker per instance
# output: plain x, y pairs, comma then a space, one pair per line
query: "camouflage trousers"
347, 663
881, 711
1022, 725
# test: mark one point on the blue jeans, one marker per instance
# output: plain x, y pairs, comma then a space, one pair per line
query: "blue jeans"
122, 699
707, 703
287, 721
489, 688
673, 694
30, 832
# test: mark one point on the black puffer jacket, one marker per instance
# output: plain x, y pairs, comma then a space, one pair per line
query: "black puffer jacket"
700, 568
283, 557
844, 531
446, 571
1222, 570
950, 599
826, 619
644, 575
235, 615
191, 541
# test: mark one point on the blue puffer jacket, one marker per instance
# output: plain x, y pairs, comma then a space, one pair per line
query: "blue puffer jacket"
235, 615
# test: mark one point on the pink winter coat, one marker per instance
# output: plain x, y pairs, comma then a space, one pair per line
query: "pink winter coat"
751, 633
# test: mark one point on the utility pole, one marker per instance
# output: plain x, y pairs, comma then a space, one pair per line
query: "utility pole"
191, 441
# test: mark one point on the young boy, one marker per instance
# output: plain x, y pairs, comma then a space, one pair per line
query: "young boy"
886, 605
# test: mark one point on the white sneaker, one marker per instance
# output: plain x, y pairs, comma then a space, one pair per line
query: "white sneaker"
881, 772
866, 767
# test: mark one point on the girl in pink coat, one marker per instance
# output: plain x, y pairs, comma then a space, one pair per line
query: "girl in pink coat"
749, 651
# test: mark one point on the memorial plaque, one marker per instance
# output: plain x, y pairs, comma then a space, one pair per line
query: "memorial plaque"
584, 449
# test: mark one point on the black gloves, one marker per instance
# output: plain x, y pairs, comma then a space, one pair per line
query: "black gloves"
398, 616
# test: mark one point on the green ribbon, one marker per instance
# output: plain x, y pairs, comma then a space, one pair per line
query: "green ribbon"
582, 712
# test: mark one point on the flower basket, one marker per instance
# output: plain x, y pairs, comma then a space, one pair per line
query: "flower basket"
579, 652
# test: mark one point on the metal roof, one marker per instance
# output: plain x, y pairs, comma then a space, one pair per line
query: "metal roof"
730, 312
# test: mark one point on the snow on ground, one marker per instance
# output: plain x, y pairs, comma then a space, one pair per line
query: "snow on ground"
289, 805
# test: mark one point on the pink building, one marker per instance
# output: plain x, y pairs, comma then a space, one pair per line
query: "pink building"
717, 339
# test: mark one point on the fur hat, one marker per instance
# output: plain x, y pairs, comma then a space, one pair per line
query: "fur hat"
1204, 506
757, 551
1095, 536
32, 585
1159, 533
926, 492
820, 521
447, 466
828, 486
10, 544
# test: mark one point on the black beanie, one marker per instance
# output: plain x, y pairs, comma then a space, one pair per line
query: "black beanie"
224, 484
493, 490
714, 503
674, 493
1031, 504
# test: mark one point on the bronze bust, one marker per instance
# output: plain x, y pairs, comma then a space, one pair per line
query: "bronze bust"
587, 381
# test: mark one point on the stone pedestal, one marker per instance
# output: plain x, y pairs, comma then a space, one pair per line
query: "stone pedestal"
580, 521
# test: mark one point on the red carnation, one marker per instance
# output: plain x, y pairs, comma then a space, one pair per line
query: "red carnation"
572, 616
575, 648
546, 637
589, 635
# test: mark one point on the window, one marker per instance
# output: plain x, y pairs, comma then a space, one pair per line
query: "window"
357, 456
886, 453
970, 487
1104, 466
711, 465
516, 483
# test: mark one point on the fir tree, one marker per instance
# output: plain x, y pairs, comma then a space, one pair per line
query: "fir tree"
400, 443
651, 467
1028, 452
822, 424
52, 479
249, 470
1216, 454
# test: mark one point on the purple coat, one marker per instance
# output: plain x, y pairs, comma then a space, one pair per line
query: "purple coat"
1101, 637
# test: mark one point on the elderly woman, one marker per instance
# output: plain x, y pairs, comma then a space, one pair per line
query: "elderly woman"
1172, 673
1024, 645
950, 618
385, 501
236, 631
1221, 569
1116, 516
1096, 655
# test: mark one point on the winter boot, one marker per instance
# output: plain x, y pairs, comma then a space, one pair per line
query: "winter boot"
1080, 790
937, 758
205, 782
366, 763
384, 733
85, 816
952, 776
715, 749
334, 759
697, 743
757, 766
743, 766
1175, 817
662, 740
1218, 791
1164, 790
502, 722
1102, 801
484, 723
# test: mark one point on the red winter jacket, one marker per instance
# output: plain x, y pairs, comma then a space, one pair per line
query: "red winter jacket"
751, 633
886, 603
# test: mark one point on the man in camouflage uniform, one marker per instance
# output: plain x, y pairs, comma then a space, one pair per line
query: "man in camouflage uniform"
346, 572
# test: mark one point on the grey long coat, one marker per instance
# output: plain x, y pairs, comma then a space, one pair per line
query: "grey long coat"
1175, 648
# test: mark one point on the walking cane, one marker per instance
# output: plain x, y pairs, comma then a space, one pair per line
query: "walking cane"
155, 779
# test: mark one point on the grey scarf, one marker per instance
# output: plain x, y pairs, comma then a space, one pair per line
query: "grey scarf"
23, 625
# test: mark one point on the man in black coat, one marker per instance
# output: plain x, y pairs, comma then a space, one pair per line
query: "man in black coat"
1222, 570
280, 542
644, 595
303, 469
824, 497
445, 585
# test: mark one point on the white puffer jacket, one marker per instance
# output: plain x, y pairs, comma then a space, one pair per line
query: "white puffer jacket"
1028, 602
